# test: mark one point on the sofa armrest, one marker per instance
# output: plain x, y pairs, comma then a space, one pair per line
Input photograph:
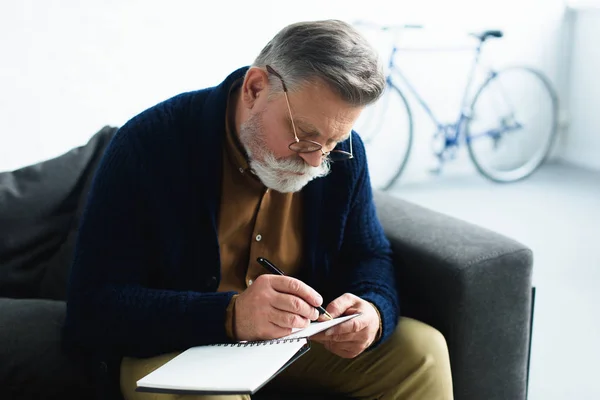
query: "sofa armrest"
474, 286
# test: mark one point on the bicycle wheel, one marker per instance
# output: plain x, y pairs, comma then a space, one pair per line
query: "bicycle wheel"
513, 124
386, 130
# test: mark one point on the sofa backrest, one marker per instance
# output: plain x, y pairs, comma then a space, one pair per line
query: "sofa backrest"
40, 207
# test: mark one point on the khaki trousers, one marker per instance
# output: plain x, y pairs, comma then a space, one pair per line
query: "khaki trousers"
412, 364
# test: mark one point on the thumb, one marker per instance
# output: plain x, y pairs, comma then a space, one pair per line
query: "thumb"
339, 306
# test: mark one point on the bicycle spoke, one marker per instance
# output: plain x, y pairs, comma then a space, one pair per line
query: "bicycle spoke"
513, 124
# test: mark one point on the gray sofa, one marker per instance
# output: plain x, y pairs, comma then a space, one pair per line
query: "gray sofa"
472, 284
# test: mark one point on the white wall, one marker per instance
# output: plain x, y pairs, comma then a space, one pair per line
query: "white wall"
582, 146
70, 67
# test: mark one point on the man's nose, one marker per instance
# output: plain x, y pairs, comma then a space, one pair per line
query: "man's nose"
313, 159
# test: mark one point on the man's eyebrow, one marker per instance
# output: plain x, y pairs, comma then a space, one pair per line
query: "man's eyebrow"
310, 129
305, 124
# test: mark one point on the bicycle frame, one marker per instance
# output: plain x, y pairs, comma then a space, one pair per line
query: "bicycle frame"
464, 114
477, 118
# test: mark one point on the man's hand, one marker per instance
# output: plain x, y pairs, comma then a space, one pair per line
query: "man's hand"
272, 306
352, 337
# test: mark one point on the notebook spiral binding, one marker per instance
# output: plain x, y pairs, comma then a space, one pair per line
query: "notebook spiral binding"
257, 343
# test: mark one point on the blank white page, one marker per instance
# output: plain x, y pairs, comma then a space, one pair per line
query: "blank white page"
223, 368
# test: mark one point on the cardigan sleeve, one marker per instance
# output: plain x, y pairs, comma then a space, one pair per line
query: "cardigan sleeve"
109, 305
366, 253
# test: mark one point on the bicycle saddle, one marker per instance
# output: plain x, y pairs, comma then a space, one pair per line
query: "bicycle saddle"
483, 36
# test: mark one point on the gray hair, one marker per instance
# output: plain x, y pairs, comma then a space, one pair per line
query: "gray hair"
330, 50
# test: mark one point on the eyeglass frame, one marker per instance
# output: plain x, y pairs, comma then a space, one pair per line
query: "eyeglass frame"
347, 155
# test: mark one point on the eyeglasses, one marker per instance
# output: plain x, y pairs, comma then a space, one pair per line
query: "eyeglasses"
309, 146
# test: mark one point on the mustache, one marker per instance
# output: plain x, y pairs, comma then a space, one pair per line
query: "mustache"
296, 165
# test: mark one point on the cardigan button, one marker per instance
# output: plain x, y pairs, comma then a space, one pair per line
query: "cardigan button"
103, 367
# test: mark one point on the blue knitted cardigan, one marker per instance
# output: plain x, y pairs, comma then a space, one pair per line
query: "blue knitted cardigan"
146, 263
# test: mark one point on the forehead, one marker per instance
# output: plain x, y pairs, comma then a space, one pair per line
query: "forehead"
318, 108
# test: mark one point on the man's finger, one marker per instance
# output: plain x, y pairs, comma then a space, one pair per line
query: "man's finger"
345, 350
353, 325
338, 306
288, 320
294, 304
287, 284
334, 333
348, 337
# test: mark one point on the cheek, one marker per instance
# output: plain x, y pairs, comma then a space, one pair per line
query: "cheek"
277, 137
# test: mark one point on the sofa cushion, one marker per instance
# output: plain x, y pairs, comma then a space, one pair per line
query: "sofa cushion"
56, 273
39, 210
32, 365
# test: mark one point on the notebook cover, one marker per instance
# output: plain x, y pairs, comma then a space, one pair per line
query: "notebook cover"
303, 350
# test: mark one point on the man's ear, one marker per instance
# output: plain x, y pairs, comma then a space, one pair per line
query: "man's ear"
256, 84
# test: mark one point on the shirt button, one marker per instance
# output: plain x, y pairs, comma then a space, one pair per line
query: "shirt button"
241, 170
258, 237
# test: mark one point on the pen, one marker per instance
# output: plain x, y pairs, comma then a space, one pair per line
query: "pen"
269, 265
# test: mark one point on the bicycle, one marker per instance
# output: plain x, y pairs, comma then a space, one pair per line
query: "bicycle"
504, 121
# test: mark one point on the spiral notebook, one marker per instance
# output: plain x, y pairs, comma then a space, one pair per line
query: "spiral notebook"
232, 368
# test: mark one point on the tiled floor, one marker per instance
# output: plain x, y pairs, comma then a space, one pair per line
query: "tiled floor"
556, 212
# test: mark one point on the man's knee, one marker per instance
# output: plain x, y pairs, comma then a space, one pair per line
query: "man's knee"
425, 362
419, 341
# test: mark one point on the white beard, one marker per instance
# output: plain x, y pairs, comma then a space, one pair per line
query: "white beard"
276, 174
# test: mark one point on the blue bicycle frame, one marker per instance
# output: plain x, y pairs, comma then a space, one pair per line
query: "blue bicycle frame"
457, 127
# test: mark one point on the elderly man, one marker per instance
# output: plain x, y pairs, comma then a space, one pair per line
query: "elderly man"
191, 191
